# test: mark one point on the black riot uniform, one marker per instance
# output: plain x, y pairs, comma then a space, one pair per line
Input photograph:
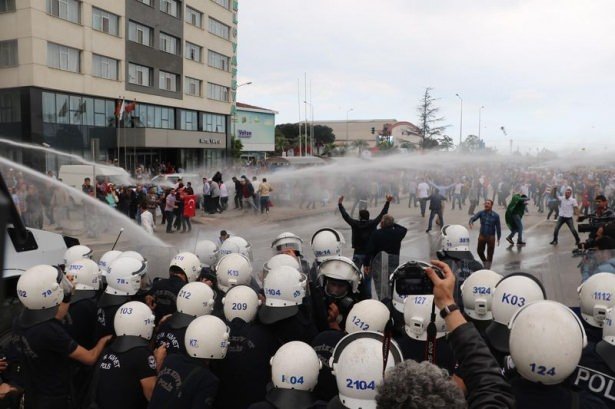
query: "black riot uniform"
108, 305
277, 398
324, 345
171, 333
416, 350
165, 293
122, 366
246, 364
184, 383
298, 326
42, 349
80, 321
595, 375
530, 395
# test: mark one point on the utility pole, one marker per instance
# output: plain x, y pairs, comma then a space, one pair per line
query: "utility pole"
460, 118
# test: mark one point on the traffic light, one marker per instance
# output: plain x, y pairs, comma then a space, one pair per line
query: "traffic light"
373, 130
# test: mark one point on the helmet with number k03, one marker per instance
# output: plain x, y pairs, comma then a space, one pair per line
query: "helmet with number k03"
284, 291
241, 302
511, 293
134, 318
233, 269
477, 294
207, 338
546, 342
417, 316
357, 363
295, 366
188, 263
597, 294
367, 315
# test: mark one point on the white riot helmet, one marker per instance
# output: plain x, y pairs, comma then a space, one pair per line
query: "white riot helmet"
195, 299
137, 256
39, 290
606, 348
367, 315
241, 302
340, 268
207, 338
417, 316
233, 269
288, 240
85, 274
597, 294
477, 294
77, 253
106, 260
546, 342
134, 318
280, 260
207, 252
357, 364
511, 293
237, 245
284, 290
188, 263
455, 240
124, 277
326, 243
295, 365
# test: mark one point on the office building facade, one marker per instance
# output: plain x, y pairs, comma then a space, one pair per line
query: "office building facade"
68, 68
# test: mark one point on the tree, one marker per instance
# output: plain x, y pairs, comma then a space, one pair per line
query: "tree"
429, 120
359, 144
236, 148
472, 143
446, 142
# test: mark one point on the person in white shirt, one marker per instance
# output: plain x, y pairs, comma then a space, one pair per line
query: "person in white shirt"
422, 192
147, 219
567, 209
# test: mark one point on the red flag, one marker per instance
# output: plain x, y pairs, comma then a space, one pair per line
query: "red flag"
189, 205
130, 107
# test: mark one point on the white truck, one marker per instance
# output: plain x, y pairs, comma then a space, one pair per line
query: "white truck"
74, 175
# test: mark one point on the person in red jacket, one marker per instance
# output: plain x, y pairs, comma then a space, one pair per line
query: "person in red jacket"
189, 200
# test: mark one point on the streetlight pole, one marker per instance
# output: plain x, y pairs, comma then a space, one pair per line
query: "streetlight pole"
234, 116
460, 118
480, 110
347, 112
311, 139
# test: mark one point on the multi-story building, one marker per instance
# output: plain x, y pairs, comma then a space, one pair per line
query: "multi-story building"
69, 67
372, 131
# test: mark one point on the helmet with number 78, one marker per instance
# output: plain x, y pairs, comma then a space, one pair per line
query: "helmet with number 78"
124, 276
546, 342
39, 290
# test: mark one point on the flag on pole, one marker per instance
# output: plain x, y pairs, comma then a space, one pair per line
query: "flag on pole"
120, 106
129, 107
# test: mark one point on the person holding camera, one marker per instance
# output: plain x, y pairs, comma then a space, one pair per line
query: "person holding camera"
423, 383
602, 216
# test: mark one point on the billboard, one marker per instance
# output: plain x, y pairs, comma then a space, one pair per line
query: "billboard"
255, 130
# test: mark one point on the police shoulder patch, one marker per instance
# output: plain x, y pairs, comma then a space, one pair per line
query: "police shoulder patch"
151, 361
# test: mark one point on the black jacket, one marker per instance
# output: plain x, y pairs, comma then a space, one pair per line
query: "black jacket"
362, 229
387, 239
487, 388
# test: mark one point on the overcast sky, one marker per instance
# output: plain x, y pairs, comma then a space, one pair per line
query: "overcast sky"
545, 70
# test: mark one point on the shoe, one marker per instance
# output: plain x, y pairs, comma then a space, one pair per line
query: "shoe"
508, 239
427, 231
554, 243
521, 243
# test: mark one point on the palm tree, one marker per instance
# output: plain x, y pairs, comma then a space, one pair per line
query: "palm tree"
359, 144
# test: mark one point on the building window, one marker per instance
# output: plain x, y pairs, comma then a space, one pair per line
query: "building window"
169, 44
219, 29
194, 17
193, 52
151, 116
62, 57
65, 9
105, 21
167, 81
147, 2
217, 92
224, 3
217, 60
188, 120
170, 7
139, 75
192, 86
139, 33
10, 107
104, 67
7, 5
8, 53
77, 110
214, 123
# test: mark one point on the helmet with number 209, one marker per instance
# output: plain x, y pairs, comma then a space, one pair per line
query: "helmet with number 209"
241, 302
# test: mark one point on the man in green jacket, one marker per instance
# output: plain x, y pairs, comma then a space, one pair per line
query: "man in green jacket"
514, 214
